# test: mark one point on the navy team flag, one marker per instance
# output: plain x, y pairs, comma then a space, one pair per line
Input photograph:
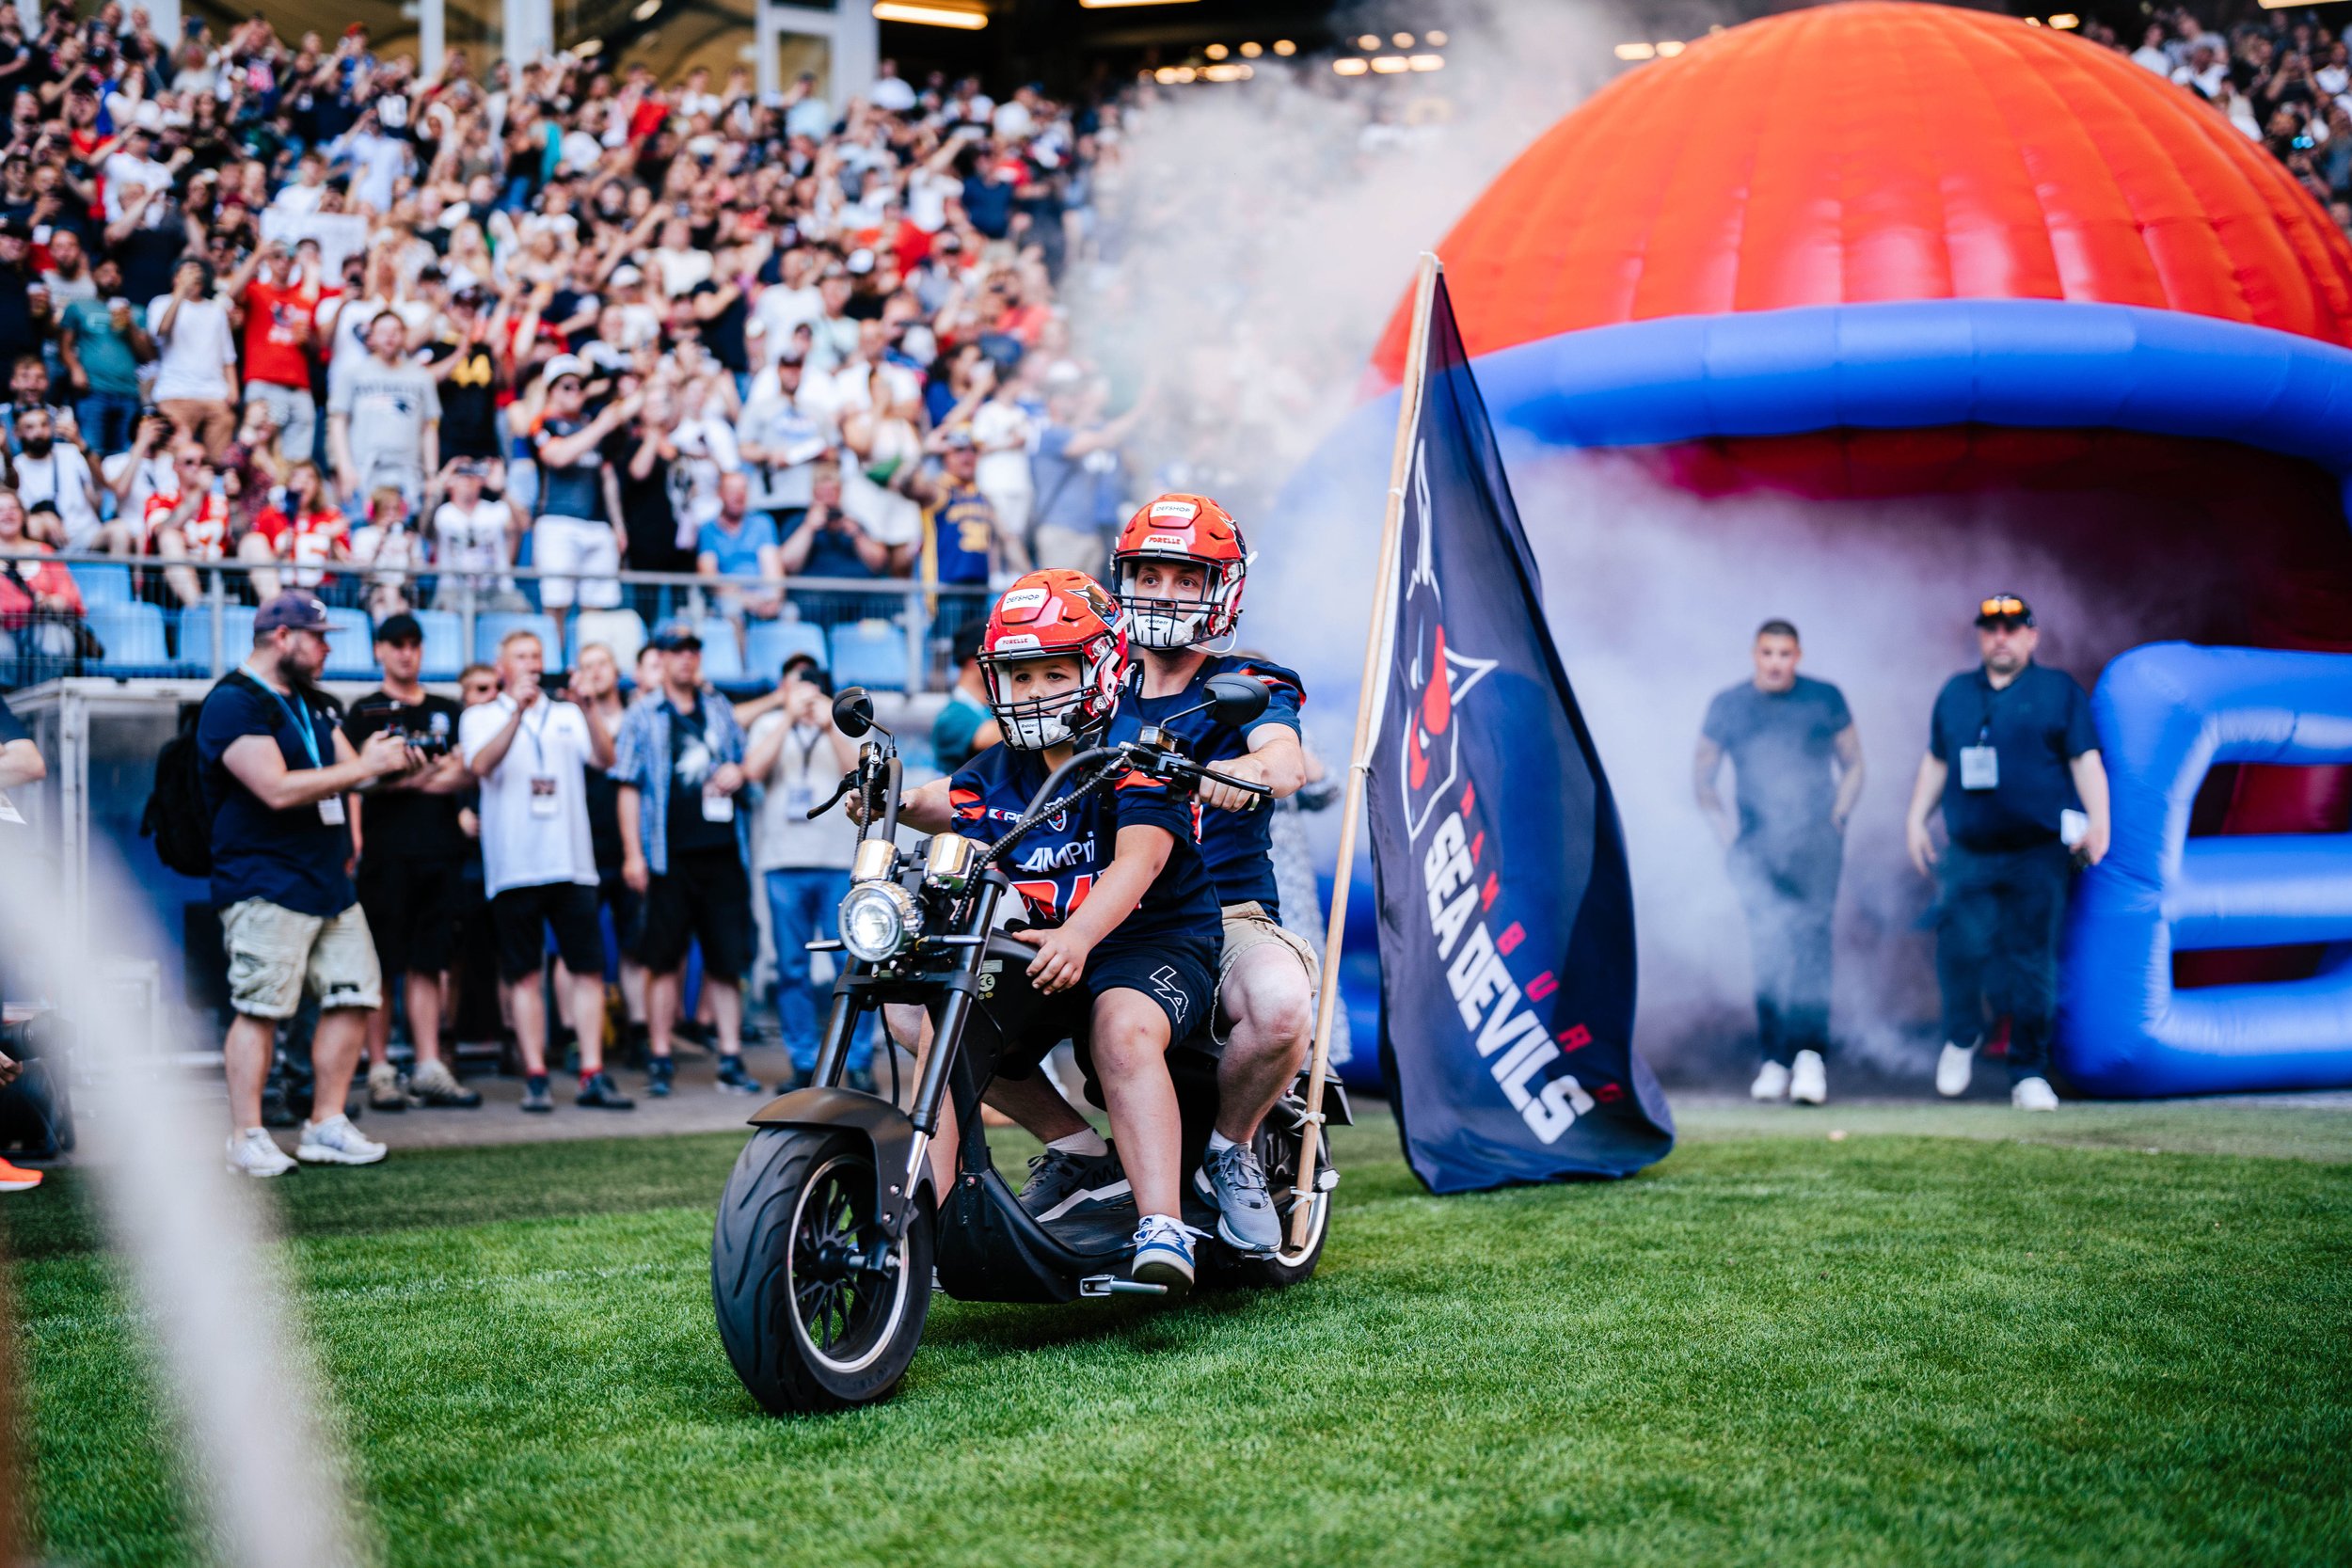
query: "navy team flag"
1506, 914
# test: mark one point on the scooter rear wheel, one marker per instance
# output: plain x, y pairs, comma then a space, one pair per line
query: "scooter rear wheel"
816, 1311
1278, 1152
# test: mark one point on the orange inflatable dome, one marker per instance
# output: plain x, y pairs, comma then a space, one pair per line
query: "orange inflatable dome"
1868, 152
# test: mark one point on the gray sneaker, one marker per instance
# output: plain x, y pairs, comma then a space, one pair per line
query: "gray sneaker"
1232, 1179
1062, 1183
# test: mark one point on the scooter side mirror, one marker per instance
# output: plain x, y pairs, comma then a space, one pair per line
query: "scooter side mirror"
1236, 700
853, 711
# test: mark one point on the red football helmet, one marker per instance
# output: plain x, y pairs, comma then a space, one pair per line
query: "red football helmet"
1048, 615
1178, 527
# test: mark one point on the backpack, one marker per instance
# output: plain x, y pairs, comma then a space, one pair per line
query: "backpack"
177, 816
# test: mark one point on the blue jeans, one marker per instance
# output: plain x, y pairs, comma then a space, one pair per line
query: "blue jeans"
108, 419
801, 906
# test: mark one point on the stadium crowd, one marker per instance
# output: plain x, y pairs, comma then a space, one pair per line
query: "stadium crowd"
295, 305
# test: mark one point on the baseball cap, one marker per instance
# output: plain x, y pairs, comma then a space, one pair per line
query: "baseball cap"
624, 275
401, 628
2004, 608
564, 365
675, 636
294, 610
956, 440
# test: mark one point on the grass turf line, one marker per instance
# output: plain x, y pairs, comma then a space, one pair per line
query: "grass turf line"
1770, 1347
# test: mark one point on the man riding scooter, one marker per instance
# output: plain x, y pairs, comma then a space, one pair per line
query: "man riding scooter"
1121, 907
1181, 561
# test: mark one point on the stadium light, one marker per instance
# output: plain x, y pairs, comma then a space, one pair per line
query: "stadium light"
1107, 5
1285, 48
1389, 65
1669, 48
1402, 41
1217, 50
2066, 22
1251, 51
587, 48
1350, 67
646, 9
1426, 62
929, 15
1636, 51
1368, 42
1434, 37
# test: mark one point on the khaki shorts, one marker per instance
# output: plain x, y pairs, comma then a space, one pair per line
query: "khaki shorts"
1247, 927
275, 954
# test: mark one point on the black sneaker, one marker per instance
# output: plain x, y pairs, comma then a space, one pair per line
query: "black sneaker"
535, 1096
734, 1079
658, 1075
598, 1092
1063, 1183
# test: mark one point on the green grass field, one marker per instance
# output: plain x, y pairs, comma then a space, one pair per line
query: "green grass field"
2122, 1343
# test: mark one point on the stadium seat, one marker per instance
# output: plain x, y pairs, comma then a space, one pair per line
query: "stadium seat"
621, 631
350, 647
722, 656
102, 584
870, 653
444, 643
768, 643
488, 629
132, 636
196, 637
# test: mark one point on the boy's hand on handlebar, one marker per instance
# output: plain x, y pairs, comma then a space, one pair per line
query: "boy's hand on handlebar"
1061, 957
1223, 796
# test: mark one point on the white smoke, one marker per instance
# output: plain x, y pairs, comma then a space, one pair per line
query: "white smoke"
1271, 229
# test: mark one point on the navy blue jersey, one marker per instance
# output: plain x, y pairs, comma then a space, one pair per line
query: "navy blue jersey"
1055, 865
1235, 844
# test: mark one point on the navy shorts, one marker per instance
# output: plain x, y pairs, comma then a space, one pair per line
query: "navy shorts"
1028, 1024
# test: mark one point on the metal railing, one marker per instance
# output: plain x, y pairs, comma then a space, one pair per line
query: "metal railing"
146, 616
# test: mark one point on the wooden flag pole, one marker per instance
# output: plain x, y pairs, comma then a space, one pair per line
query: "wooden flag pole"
1351, 811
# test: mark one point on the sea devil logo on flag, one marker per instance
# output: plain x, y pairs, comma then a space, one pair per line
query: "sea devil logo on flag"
1506, 914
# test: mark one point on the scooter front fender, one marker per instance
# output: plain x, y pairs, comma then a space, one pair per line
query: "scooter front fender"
887, 1129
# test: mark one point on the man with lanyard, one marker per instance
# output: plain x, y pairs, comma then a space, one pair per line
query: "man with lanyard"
413, 855
277, 767
2014, 758
679, 763
531, 751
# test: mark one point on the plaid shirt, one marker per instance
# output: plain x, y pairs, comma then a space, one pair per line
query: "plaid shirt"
642, 761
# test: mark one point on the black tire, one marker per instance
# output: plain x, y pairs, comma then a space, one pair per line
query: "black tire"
806, 1328
1278, 1151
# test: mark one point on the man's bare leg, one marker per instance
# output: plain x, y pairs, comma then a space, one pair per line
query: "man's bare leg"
335, 1047
246, 1060
1270, 999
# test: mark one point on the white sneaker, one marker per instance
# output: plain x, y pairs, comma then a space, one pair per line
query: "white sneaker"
1952, 1069
1772, 1081
2033, 1094
336, 1142
1808, 1085
254, 1152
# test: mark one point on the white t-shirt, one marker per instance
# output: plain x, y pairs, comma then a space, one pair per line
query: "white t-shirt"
201, 346
1004, 432
535, 803
63, 480
806, 772
473, 542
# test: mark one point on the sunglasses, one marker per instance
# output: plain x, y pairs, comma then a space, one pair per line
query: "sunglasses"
2005, 606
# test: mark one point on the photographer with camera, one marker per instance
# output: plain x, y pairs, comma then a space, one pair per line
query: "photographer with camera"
278, 774
532, 749
412, 866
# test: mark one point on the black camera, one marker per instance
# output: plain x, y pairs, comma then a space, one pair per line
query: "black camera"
434, 738
20, 1040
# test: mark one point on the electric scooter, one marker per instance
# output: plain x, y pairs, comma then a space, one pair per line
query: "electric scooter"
831, 1234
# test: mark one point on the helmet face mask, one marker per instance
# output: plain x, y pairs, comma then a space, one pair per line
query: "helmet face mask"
1035, 699
1179, 533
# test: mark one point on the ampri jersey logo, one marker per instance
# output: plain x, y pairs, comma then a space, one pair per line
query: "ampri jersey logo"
1438, 674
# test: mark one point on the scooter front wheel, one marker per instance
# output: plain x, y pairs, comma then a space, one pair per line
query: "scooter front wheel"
818, 1310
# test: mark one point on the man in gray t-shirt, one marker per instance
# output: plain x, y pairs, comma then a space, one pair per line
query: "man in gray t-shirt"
1077, 475
384, 418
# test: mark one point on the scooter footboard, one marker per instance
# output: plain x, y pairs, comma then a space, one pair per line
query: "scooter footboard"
980, 1253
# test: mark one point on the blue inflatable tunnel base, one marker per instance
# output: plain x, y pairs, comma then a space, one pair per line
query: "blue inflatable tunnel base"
2167, 713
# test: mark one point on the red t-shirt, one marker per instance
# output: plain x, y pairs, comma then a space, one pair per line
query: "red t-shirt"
206, 531
274, 350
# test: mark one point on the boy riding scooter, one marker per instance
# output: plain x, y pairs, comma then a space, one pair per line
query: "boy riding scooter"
1121, 907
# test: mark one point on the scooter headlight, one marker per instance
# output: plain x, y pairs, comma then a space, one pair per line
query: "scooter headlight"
876, 920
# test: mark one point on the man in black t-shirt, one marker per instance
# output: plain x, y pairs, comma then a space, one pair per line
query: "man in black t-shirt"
1796, 760
412, 868
279, 773
2013, 761
467, 373
574, 535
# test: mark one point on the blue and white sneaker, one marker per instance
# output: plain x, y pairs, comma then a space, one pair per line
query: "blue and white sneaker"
1163, 1254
